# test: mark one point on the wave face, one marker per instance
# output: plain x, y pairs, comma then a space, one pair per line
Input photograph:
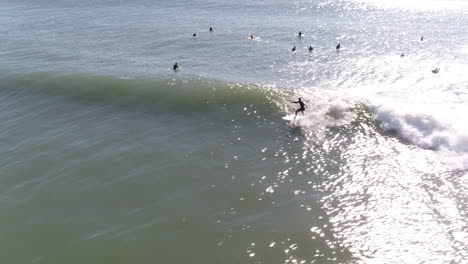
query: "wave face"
202, 164
190, 95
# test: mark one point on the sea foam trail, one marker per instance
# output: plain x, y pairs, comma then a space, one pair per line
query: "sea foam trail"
431, 128
323, 111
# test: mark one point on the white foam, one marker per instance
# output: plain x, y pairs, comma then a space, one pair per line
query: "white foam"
423, 108
426, 121
434, 127
322, 110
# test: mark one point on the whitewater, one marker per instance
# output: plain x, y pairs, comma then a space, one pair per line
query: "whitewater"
108, 155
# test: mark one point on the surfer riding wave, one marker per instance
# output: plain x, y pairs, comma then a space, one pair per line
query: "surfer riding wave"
301, 108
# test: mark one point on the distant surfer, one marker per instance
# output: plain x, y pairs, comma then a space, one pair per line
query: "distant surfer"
252, 36
175, 67
338, 46
402, 55
293, 49
301, 107
194, 35
211, 29
299, 34
422, 38
436, 70
311, 49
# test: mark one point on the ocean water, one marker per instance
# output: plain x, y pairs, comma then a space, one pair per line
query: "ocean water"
109, 156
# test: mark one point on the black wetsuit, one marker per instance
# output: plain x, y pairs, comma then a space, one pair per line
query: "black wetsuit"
302, 107
301, 103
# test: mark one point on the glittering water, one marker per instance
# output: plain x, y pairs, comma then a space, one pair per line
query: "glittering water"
108, 156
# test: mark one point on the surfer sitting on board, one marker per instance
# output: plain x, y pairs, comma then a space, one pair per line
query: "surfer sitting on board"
302, 107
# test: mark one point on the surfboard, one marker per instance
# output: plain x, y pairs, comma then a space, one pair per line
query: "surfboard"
291, 119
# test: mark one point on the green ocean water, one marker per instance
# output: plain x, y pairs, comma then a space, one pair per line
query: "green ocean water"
140, 172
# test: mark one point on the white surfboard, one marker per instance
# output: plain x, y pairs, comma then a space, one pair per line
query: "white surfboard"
292, 120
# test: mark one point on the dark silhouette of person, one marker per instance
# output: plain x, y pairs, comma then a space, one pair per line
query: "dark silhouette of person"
293, 49
194, 35
299, 34
252, 36
175, 67
311, 49
302, 107
338, 46
422, 38
436, 70
211, 29
402, 55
